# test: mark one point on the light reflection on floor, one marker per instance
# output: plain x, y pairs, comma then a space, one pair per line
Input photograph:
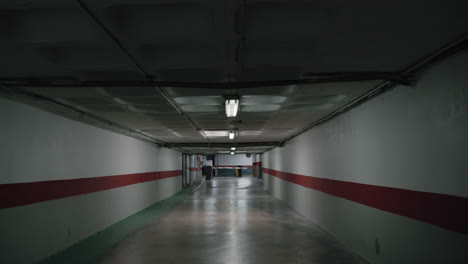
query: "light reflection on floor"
230, 220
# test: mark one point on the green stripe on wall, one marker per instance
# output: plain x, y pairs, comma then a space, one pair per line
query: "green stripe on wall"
90, 248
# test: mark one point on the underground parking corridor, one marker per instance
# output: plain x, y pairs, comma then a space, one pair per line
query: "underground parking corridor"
230, 220
233, 131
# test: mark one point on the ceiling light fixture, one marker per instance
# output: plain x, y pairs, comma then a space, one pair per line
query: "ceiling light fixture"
232, 134
233, 148
215, 133
232, 107
232, 152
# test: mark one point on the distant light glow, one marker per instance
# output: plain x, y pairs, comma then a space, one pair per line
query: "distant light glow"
232, 152
232, 106
233, 148
215, 133
232, 135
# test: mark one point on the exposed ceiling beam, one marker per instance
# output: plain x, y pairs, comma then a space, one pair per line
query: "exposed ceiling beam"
316, 78
180, 111
453, 47
113, 39
134, 61
222, 145
20, 93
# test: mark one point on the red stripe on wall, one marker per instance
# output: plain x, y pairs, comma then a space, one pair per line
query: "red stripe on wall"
194, 169
17, 194
257, 164
442, 210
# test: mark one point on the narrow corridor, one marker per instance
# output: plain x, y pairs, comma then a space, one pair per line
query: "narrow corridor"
230, 220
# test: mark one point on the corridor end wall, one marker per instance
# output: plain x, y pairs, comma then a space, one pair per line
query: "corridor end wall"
62, 181
388, 178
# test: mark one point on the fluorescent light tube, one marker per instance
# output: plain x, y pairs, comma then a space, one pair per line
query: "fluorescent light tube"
232, 135
232, 106
232, 152
215, 133
233, 148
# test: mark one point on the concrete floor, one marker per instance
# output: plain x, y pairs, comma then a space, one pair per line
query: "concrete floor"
230, 220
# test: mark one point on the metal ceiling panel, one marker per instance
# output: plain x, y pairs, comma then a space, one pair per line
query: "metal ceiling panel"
262, 99
217, 41
260, 108
200, 100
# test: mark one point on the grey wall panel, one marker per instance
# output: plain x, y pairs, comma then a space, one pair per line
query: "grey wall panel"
411, 138
39, 146
376, 235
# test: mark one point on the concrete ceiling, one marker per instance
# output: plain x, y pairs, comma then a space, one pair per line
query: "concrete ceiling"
193, 41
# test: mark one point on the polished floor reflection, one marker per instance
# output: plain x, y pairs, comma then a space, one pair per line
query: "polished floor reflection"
230, 220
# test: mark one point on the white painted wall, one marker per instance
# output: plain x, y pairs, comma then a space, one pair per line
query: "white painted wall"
233, 160
40, 146
411, 138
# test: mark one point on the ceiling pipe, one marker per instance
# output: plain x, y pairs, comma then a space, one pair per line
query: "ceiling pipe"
114, 40
223, 145
317, 78
453, 47
182, 113
37, 97
391, 80
134, 61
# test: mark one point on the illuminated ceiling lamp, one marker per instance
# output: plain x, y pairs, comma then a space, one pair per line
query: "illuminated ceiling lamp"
233, 148
232, 134
232, 106
232, 152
